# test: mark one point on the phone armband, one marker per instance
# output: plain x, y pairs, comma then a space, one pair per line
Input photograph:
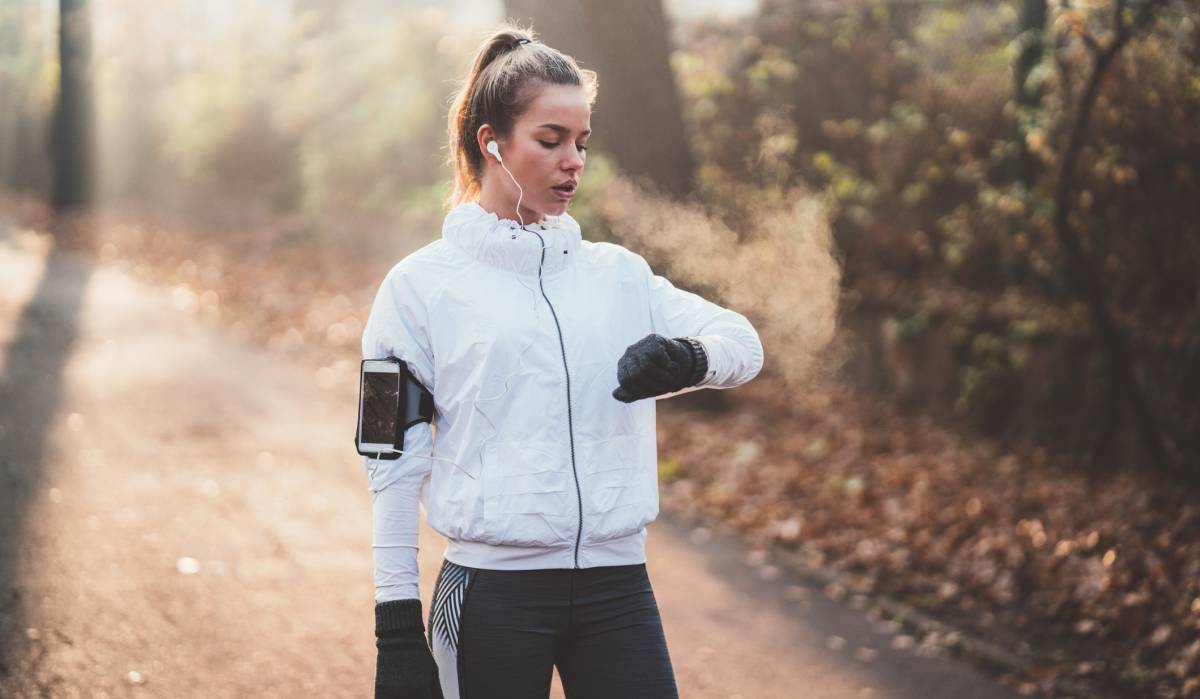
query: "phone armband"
389, 402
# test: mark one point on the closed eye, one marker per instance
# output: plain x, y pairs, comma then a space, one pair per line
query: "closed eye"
553, 145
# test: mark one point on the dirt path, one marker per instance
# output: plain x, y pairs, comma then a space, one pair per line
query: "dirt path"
182, 515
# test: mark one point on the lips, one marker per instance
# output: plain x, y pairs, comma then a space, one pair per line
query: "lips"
566, 190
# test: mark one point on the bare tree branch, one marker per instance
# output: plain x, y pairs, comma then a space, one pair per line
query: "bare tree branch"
1080, 261
1119, 17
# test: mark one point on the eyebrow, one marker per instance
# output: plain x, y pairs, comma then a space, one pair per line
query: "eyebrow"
563, 129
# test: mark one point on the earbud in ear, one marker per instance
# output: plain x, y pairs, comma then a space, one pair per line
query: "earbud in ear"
494, 149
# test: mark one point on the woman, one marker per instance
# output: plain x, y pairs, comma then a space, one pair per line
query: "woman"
540, 349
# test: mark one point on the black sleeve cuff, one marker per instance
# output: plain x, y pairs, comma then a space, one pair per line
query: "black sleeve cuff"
398, 616
699, 360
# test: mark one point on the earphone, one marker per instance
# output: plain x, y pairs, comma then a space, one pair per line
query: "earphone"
494, 149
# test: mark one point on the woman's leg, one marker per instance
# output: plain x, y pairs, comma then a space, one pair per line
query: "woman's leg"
493, 632
615, 646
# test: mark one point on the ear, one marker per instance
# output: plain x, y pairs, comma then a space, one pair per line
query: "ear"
482, 136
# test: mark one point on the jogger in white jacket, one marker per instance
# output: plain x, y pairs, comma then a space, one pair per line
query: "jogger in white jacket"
540, 349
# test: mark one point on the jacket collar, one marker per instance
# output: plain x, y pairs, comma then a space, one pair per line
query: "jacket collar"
504, 243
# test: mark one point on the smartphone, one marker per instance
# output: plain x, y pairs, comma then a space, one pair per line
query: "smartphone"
379, 408
390, 400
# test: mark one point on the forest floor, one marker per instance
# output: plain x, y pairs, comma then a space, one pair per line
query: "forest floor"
1086, 579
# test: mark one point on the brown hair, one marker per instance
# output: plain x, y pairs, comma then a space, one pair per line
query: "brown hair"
507, 71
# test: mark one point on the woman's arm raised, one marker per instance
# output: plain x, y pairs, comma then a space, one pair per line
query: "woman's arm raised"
734, 351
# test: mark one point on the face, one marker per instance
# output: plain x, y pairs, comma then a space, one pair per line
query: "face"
546, 149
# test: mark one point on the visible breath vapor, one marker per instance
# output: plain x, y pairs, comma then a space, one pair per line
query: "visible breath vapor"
781, 272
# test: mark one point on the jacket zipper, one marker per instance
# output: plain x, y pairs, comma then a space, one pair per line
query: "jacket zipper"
570, 424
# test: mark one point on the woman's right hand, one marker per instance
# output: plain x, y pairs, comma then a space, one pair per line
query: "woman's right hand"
404, 665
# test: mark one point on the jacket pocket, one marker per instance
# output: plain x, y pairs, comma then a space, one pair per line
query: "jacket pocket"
619, 490
527, 493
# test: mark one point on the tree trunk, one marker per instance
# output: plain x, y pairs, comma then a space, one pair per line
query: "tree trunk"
637, 116
72, 134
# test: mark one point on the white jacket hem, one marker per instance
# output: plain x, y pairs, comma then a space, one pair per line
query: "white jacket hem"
626, 550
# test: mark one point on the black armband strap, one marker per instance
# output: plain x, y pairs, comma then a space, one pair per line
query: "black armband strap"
416, 404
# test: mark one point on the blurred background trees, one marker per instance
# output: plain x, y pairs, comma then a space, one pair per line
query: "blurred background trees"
637, 119
1012, 185
952, 227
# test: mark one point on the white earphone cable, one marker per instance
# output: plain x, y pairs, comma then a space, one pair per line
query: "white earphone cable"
494, 149
379, 456
520, 193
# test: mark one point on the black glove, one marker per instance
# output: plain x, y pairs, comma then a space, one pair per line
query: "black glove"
404, 666
655, 365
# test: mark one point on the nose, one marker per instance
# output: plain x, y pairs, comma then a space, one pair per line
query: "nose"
575, 160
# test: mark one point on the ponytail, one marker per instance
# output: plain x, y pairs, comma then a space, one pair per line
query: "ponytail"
507, 72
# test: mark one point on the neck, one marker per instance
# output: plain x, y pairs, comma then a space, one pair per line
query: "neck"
502, 201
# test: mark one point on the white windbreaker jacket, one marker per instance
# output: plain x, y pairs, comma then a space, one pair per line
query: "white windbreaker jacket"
517, 332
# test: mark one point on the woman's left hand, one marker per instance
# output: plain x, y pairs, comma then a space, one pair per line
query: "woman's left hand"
652, 366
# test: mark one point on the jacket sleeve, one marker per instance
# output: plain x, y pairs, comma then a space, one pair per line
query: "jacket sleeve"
396, 328
735, 353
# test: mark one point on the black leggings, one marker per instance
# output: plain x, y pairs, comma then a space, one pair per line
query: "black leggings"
498, 633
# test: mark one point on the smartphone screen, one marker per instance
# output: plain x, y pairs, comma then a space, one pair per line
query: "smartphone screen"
381, 400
